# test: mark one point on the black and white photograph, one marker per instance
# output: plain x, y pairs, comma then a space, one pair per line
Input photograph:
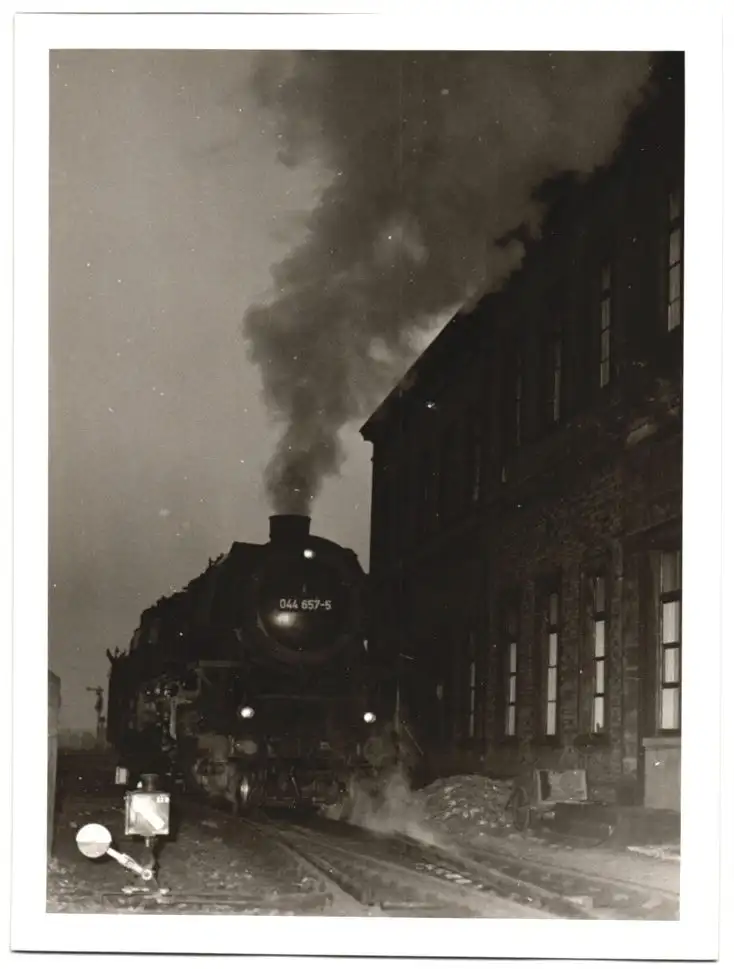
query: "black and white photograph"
362, 450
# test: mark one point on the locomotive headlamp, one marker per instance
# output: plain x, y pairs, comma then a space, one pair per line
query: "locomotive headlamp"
369, 717
308, 553
247, 713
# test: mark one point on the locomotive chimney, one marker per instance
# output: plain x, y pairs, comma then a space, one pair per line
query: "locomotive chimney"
289, 528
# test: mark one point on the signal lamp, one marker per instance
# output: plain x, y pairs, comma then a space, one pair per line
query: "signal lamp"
369, 717
147, 813
308, 553
247, 713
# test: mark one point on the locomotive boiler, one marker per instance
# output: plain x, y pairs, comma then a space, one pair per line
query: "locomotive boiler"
254, 684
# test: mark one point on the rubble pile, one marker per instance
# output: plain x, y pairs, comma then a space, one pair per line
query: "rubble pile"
468, 804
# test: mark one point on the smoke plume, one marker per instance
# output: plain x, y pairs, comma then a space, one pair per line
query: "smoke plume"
392, 808
433, 158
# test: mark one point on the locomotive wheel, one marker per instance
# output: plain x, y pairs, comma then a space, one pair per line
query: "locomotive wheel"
521, 809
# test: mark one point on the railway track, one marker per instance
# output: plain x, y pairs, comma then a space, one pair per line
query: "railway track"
392, 886
607, 897
552, 889
311, 865
344, 877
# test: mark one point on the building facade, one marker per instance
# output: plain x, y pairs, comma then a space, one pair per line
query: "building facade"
527, 493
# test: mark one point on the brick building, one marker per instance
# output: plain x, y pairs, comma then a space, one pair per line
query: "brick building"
527, 493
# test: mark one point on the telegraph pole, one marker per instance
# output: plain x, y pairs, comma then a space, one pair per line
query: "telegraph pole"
98, 707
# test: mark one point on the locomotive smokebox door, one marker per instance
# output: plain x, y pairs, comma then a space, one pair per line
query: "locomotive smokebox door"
147, 813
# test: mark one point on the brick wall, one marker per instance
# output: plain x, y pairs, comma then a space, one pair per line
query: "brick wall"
566, 534
571, 538
584, 490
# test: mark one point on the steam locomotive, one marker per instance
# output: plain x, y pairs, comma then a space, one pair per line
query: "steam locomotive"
254, 684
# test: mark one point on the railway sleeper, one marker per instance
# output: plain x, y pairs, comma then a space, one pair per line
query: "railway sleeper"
370, 879
429, 864
584, 891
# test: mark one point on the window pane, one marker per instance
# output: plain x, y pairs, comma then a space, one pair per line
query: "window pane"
513, 658
513, 686
510, 722
598, 724
553, 608
671, 665
671, 622
670, 563
604, 373
670, 712
550, 718
553, 649
599, 686
604, 352
606, 314
600, 594
674, 283
674, 249
674, 315
551, 680
600, 630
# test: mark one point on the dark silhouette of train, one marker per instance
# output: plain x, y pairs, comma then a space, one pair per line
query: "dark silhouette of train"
254, 684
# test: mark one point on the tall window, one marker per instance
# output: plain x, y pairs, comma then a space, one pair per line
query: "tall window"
556, 352
509, 666
670, 641
675, 260
433, 479
551, 659
605, 326
471, 707
472, 697
600, 619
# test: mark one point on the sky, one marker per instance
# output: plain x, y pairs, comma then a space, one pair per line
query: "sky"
237, 237
168, 209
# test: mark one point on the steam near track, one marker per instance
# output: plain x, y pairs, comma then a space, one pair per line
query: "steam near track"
434, 157
394, 809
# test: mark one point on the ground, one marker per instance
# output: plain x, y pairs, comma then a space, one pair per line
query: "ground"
213, 854
470, 810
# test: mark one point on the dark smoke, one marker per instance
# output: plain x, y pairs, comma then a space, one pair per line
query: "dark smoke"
434, 157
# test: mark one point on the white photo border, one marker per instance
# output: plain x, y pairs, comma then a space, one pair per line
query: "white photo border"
521, 26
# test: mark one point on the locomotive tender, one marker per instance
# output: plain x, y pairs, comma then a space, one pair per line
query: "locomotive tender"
254, 683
